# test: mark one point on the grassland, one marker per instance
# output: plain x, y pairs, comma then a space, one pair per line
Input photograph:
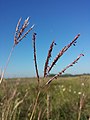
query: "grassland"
68, 98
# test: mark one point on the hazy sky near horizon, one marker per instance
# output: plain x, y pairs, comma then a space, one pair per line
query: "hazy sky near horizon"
59, 20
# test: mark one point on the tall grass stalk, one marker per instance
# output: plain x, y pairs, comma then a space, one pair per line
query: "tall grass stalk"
48, 58
35, 59
2, 74
81, 104
35, 105
17, 38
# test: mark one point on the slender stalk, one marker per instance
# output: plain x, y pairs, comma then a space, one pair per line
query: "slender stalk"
82, 100
48, 106
35, 59
79, 114
39, 115
35, 105
48, 58
45, 75
2, 75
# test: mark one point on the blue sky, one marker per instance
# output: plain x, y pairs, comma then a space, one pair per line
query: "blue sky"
59, 20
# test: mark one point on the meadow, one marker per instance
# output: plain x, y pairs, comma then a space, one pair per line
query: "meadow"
46, 98
68, 98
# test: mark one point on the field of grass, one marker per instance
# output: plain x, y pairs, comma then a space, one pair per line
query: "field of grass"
67, 98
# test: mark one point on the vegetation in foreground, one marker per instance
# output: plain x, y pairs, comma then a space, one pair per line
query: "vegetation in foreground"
24, 99
68, 97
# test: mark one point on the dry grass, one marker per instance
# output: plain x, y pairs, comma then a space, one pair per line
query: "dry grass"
48, 58
19, 35
12, 105
35, 60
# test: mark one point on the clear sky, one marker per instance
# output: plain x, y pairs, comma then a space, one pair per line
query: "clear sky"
59, 20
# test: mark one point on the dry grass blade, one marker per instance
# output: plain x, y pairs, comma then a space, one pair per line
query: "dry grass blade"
18, 102
8, 104
35, 105
39, 115
35, 59
60, 73
62, 52
81, 104
48, 58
